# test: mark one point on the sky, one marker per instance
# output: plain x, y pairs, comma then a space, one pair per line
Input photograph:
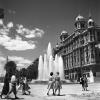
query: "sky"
29, 25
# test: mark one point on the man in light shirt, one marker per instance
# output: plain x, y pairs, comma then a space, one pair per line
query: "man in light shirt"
13, 87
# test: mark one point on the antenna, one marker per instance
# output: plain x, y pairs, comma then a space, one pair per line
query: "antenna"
90, 14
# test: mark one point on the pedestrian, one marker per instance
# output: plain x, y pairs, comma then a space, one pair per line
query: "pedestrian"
58, 84
10, 68
23, 86
27, 88
51, 83
5, 88
84, 82
13, 87
20, 84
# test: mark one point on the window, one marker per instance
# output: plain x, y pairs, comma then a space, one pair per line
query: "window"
98, 36
90, 23
92, 35
92, 54
83, 25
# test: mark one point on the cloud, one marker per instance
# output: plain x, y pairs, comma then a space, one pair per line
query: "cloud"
20, 61
16, 41
29, 33
2, 63
10, 25
4, 30
1, 22
4, 39
16, 44
2, 59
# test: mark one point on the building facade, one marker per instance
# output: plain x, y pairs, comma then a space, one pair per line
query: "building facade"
80, 50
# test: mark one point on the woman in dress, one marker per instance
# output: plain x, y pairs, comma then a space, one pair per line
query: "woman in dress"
84, 82
51, 83
26, 86
10, 68
5, 88
58, 84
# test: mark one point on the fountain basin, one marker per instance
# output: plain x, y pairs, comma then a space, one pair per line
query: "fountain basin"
46, 82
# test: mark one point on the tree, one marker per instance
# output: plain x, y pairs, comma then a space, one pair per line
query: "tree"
23, 72
32, 70
10, 68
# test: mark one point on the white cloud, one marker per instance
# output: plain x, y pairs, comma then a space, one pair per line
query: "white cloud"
4, 39
10, 25
17, 43
4, 30
20, 61
29, 33
2, 59
1, 22
2, 63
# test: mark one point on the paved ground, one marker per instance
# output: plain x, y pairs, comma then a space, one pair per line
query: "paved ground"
68, 92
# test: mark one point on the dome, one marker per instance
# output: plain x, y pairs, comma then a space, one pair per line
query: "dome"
57, 45
64, 32
90, 20
79, 17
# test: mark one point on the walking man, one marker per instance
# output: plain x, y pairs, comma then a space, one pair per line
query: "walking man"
13, 87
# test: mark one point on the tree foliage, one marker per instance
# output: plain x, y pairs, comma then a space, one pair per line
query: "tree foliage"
10, 68
32, 70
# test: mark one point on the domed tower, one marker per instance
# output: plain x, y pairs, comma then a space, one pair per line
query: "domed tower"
91, 22
80, 22
57, 45
63, 35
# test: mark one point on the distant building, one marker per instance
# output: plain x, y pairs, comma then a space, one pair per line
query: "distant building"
80, 50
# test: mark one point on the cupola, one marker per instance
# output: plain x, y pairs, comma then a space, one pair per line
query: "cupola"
64, 35
80, 22
91, 23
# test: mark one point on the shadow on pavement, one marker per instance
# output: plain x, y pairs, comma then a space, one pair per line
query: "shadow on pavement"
12, 98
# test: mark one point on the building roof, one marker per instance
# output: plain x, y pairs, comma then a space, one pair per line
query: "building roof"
79, 17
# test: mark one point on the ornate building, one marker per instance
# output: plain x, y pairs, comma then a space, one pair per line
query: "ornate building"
80, 50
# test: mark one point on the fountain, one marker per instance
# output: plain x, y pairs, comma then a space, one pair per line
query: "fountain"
40, 68
49, 65
45, 69
61, 68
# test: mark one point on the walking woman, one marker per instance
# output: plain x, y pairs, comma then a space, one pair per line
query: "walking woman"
25, 87
51, 83
5, 88
10, 68
84, 82
58, 84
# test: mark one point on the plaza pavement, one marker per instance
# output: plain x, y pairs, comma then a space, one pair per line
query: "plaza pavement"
68, 92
